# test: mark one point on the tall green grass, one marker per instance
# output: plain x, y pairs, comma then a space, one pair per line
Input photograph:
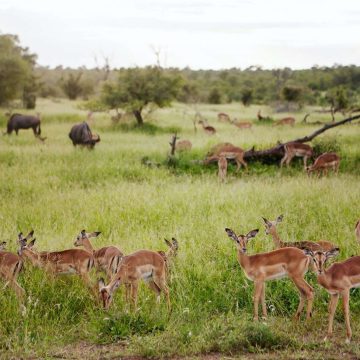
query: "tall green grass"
57, 190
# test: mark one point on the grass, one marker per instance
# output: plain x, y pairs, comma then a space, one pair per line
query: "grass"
58, 190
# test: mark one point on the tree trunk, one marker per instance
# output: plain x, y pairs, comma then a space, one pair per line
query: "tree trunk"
276, 152
138, 117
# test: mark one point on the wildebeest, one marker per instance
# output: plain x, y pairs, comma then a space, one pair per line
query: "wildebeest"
80, 134
19, 121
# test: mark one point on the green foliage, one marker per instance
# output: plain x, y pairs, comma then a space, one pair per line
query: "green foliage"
71, 85
214, 96
16, 71
292, 93
246, 96
327, 144
137, 88
338, 98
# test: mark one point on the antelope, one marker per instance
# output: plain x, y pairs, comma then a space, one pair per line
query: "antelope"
72, 261
230, 151
107, 258
222, 165
270, 229
242, 124
170, 254
259, 116
143, 264
285, 121
210, 130
337, 280
183, 145
324, 162
286, 262
10, 267
357, 231
223, 117
296, 149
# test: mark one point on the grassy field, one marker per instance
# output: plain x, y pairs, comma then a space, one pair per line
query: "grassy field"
58, 190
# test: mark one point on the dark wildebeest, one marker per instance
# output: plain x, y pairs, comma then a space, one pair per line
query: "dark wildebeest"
80, 134
19, 121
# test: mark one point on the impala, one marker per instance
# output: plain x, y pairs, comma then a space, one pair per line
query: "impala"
183, 145
242, 124
270, 229
222, 165
230, 151
289, 261
10, 267
223, 117
324, 162
72, 261
210, 130
337, 280
107, 258
285, 121
170, 254
143, 264
357, 230
296, 149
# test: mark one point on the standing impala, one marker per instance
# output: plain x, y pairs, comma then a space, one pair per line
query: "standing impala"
337, 280
210, 130
107, 258
324, 162
285, 121
296, 149
290, 262
270, 229
10, 267
147, 265
72, 261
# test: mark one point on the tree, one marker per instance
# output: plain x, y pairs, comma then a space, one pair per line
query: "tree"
137, 88
16, 71
246, 96
72, 86
292, 93
214, 96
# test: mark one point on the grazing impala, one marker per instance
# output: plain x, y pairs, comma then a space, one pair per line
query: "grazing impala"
223, 117
10, 267
285, 121
270, 229
72, 261
290, 262
222, 165
183, 145
357, 231
143, 264
107, 258
337, 280
230, 151
296, 149
324, 162
210, 130
242, 124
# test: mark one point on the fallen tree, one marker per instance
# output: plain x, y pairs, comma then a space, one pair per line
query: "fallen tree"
276, 152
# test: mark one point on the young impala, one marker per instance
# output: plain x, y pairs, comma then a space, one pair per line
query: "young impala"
72, 261
107, 258
210, 130
296, 149
147, 265
337, 280
324, 162
289, 261
285, 121
270, 229
10, 267
230, 151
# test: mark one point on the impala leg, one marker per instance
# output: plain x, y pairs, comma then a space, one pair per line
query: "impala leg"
20, 292
156, 289
134, 291
263, 303
257, 295
289, 158
161, 284
346, 297
306, 293
305, 161
283, 160
332, 307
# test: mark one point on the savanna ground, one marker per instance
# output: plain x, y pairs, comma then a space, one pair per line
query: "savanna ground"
58, 190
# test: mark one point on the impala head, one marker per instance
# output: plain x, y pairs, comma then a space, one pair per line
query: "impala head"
84, 236
270, 226
241, 240
320, 258
106, 292
25, 248
173, 245
2, 245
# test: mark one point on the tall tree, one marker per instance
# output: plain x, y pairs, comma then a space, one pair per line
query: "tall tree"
137, 88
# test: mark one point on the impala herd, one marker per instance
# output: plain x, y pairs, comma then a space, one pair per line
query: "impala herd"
289, 259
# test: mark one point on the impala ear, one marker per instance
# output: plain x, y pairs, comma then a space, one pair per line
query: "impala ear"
279, 219
267, 222
332, 253
308, 252
252, 234
31, 244
168, 243
175, 243
95, 234
231, 234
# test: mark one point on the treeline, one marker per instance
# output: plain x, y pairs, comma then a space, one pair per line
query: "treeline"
336, 87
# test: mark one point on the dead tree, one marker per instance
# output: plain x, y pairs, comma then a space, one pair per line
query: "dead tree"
172, 143
276, 152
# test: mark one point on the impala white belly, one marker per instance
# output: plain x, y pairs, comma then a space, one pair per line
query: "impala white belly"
356, 285
277, 276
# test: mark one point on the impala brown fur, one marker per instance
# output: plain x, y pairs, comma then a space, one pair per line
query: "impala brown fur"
296, 149
286, 262
325, 162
